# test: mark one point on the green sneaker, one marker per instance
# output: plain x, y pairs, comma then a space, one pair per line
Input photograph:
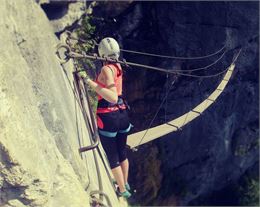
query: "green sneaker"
127, 187
125, 194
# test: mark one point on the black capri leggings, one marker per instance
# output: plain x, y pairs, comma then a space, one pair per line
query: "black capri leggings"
113, 128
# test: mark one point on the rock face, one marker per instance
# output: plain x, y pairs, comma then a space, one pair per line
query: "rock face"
217, 148
110, 9
41, 124
63, 14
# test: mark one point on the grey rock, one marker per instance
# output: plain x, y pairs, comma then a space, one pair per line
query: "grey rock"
110, 9
41, 124
63, 14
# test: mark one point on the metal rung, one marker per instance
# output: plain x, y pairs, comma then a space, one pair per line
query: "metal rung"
225, 80
210, 99
178, 128
196, 112
92, 146
219, 89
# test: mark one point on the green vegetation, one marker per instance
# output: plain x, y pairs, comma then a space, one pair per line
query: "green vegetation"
244, 192
86, 44
249, 192
242, 150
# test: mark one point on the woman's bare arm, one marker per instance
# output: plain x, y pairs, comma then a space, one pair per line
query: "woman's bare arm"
109, 93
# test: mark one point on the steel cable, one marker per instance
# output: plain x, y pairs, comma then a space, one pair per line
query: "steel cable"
174, 57
176, 72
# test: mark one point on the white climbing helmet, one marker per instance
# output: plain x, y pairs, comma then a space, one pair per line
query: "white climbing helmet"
108, 47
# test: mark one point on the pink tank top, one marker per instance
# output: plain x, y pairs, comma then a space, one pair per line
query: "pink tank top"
118, 78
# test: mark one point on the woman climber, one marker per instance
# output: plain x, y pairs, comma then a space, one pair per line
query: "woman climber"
112, 117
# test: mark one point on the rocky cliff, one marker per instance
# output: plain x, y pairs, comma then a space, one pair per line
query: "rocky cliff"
41, 123
215, 150
63, 14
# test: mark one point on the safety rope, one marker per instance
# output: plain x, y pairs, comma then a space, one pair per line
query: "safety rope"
174, 57
98, 151
89, 126
93, 130
149, 67
96, 131
70, 36
98, 146
178, 72
207, 66
71, 54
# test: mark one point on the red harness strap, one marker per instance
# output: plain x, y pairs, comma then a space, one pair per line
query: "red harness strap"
111, 109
